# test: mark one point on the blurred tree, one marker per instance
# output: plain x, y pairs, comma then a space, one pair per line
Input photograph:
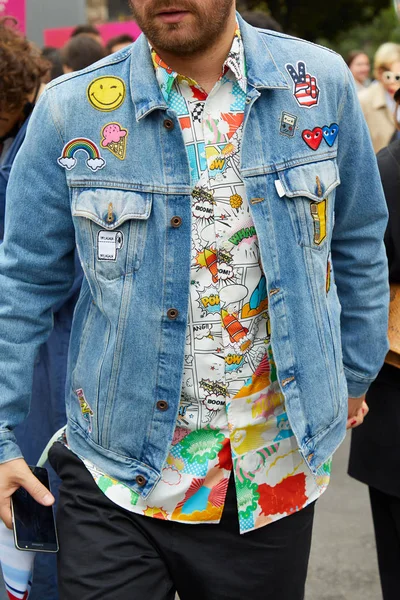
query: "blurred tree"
385, 27
311, 19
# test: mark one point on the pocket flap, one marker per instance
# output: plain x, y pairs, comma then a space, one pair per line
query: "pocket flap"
110, 208
315, 180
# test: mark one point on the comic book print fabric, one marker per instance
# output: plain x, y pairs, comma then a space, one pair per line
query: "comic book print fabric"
232, 415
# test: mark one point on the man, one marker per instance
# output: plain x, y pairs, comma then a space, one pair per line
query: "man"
220, 185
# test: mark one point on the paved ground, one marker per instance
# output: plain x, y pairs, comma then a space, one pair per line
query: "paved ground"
343, 562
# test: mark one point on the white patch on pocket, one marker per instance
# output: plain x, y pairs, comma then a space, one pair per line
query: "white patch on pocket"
108, 244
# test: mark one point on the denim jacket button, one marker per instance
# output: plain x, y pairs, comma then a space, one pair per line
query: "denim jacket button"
172, 314
162, 405
168, 124
141, 481
176, 222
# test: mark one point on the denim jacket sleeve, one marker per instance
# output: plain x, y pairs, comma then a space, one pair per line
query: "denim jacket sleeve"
358, 252
36, 265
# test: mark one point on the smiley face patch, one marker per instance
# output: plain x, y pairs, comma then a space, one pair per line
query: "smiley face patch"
106, 93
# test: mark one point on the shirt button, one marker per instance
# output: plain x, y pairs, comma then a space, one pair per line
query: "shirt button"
176, 222
162, 405
141, 481
168, 124
172, 314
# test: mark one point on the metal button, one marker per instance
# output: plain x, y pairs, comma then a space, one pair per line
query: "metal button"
141, 481
172, 314
176, 222
162, 405
168, 124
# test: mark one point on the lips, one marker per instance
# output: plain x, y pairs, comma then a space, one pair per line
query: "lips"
172, 15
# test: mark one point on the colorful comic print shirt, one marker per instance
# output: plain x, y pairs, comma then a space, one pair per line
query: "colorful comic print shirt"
232, 415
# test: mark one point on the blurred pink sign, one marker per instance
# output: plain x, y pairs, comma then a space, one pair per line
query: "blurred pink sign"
58, 37
14, 8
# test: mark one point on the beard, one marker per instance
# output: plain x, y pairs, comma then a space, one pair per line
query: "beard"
197, 32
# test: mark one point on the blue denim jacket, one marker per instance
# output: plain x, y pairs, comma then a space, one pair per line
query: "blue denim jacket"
127, 346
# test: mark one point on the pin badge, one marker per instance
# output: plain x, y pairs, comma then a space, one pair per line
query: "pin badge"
85, 407
108, 244
288, 124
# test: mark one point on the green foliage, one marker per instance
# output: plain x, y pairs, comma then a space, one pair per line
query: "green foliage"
385, 27
315, 20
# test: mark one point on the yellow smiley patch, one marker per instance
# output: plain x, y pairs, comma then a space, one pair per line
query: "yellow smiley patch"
106, 93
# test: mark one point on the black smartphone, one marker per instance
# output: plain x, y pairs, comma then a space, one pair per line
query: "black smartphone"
33, 524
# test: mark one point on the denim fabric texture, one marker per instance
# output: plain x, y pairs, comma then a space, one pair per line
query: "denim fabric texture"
127, 352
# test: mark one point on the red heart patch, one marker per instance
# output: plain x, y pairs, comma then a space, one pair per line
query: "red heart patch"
313, 138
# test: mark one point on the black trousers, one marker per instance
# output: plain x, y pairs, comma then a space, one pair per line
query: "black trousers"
108, 553
386, 517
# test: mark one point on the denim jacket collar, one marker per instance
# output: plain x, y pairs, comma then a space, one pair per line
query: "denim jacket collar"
261, 74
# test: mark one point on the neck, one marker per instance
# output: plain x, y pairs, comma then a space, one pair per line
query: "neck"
206, 67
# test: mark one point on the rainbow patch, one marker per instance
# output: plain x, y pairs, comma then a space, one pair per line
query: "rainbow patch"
68, 159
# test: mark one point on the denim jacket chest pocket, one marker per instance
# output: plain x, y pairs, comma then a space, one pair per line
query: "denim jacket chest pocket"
111, 230
309, 191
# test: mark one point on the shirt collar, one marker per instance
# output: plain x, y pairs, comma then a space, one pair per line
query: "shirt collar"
235, 62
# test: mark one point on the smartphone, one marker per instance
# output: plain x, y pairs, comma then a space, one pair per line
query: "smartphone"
33, 524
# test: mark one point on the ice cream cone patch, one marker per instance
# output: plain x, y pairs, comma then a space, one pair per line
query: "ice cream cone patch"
114, 138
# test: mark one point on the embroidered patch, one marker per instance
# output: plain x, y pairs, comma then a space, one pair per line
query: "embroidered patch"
68, 159
318, 213
305, 89
106, 93
108, 244
85, 407
313, 138
114, 138
288, 124
330, 133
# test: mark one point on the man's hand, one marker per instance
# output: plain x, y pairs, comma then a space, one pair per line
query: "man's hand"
16, 474
358, 410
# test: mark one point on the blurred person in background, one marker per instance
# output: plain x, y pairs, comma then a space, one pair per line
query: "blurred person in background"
21, 72
375, 447
22, 69
377, 100
119, 42
53, 56
260, 19
359, 64
88, 30
80, 52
